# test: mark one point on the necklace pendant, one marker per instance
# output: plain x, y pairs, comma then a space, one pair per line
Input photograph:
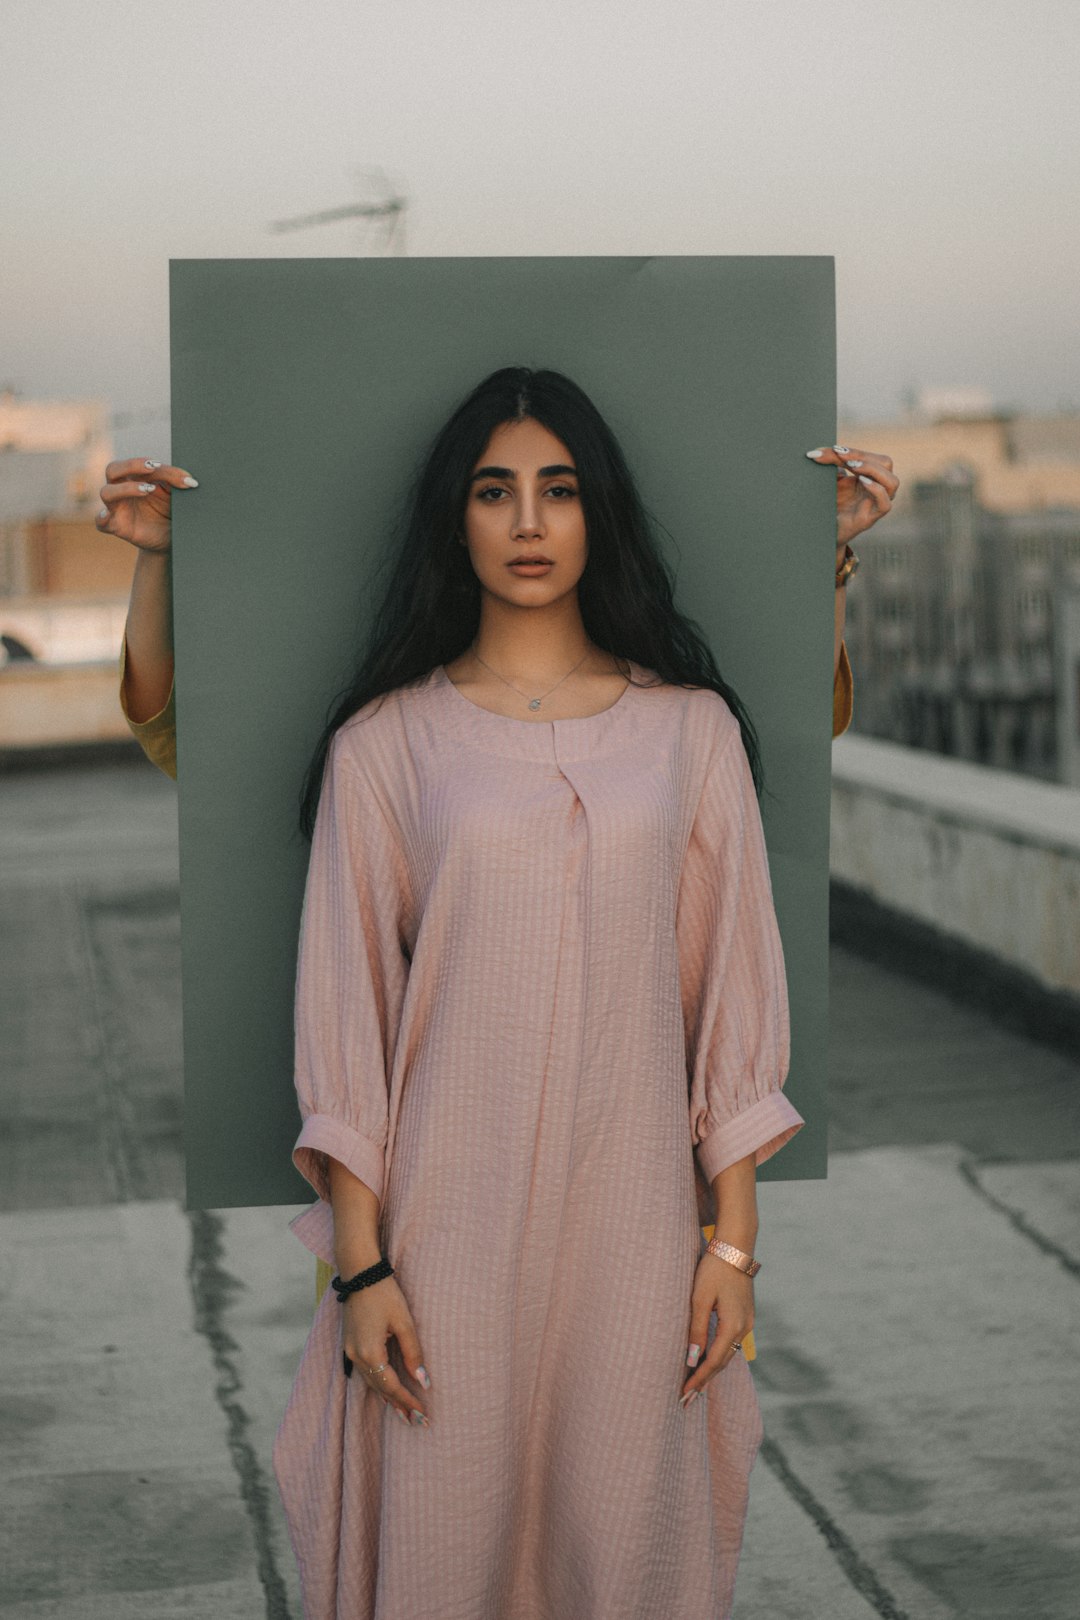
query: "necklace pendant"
534, 703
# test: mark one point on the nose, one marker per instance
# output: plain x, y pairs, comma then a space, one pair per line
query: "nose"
527, 515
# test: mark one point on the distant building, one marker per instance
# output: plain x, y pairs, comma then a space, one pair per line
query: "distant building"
63, 585
957, 621
53, 455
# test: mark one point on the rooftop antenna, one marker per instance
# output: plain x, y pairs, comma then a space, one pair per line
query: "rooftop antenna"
381, 211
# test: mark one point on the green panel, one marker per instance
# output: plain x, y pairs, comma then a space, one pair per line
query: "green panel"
302, 393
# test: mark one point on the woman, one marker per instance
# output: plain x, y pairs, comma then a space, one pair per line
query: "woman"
537, 924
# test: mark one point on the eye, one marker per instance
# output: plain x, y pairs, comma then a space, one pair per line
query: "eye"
489, 490
563, 491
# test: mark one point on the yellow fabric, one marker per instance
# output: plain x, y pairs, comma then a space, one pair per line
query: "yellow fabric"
157, 738
843, 694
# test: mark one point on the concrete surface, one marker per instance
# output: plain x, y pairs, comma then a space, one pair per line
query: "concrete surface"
916, 1311
988, 856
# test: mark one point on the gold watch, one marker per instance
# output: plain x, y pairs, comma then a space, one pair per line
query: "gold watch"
850, 563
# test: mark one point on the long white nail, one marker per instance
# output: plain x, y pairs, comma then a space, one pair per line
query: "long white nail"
684, 1400
147, 489
422, 1375
815, 455
869, 482
153, 463
693, 1355
192, 483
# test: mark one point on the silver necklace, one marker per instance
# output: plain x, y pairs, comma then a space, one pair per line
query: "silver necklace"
534, 703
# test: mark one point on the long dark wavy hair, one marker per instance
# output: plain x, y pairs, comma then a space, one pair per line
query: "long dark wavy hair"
429, 611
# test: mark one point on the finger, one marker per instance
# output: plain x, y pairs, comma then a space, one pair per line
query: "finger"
720, 1353
404, 1331
131, 491
831, 455
876, 467
163, 472
699, 1332
878, 494
386, 1382
877, 456
697, 1381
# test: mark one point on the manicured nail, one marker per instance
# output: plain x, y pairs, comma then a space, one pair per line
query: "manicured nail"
815, 455
421, 1373
147, 489
842, 449
103, 515
694, 1355
192, 483
869, 482
419, 1419
153, 463
402, 1416
852, 463
684, 1400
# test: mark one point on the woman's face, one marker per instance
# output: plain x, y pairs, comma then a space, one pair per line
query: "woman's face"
524, 502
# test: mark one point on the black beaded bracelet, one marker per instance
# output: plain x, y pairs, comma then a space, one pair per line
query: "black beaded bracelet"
382, 1268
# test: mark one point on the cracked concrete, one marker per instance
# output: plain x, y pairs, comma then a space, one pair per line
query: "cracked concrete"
916, 1311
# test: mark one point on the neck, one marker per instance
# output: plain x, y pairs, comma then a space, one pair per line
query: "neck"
532, 646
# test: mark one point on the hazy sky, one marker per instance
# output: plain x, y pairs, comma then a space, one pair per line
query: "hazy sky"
928, 144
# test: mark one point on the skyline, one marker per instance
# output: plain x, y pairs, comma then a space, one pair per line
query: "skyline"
932, 150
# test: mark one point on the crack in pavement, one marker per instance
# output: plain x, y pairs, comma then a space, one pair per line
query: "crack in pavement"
858, 1572
212, 1287
970, 1168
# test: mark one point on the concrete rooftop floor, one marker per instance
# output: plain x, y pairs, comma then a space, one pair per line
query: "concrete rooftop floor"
916, 1319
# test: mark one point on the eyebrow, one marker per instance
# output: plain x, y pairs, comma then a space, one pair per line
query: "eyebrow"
508, 472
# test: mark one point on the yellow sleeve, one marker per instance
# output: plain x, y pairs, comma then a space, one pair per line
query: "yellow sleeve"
156, 736
842, 694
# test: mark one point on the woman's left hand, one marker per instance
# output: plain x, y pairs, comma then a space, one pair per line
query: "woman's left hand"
866, 487
723, 1288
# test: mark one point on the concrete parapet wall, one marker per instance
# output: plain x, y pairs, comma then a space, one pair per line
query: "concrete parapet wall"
985, 856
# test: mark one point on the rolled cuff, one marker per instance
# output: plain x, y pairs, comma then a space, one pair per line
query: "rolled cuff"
761, 1129
155, 735
322, 1138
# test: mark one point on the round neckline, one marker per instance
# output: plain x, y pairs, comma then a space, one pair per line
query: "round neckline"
535, 725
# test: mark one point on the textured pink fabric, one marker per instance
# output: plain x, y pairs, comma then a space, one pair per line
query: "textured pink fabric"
540, 1000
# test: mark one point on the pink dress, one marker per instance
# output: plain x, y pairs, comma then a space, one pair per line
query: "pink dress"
540, 1003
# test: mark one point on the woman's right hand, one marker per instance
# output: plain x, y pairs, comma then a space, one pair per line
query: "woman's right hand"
370, 1317
138, 502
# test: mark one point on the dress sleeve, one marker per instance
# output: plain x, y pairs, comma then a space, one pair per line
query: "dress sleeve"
351, 975
843, 693
156, 736
731, 968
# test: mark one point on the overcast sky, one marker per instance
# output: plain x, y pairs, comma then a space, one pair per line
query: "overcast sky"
932, 146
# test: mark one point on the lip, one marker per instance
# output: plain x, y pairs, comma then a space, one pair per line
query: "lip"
531, 562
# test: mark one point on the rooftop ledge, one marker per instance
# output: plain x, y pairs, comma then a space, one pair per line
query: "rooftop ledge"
1014, 807
980, 856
